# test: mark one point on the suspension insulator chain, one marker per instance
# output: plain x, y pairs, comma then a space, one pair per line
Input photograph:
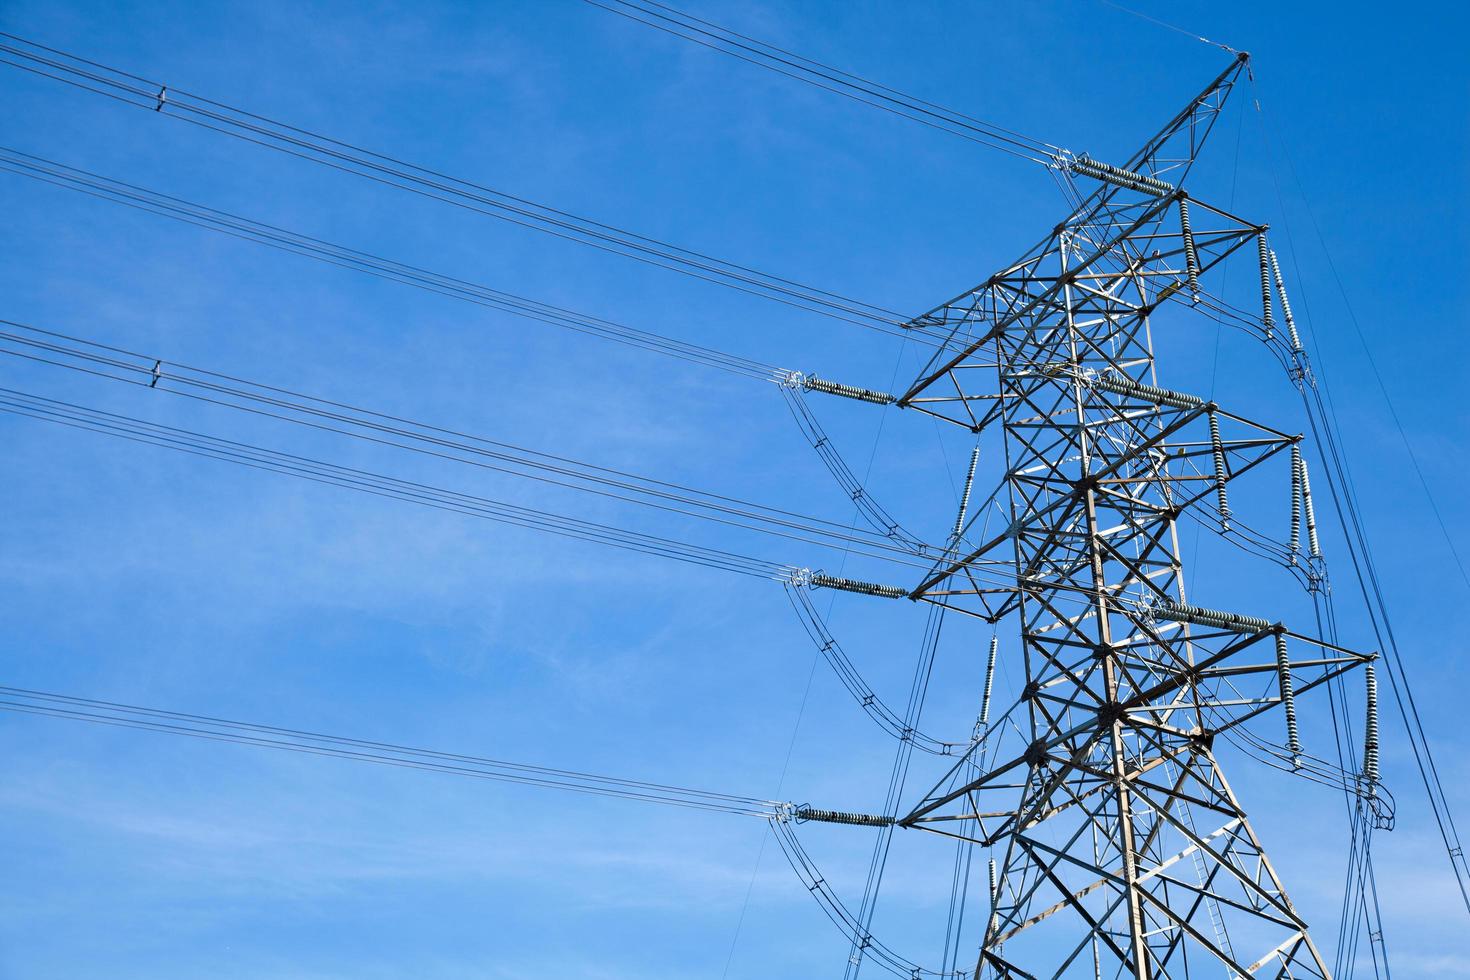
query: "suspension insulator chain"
959, 521
1288, 700
989, 680
1314, 547
1217, 449
1370, 728
994, 897
1191, 257
1296, 340
1296, 501
1267, 317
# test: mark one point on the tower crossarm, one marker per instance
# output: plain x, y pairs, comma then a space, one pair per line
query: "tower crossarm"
1122, 267
1027, 289
1070, 750
1188, 448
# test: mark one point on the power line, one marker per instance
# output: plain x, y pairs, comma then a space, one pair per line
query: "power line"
1167, 26
210, 728
320, 471
1095, 505
161, 99
762, 54
71, 708
316, 470
357, 260
829, 649
152, 373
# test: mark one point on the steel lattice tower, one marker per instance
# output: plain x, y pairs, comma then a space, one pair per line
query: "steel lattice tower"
1120, 850
1125, 851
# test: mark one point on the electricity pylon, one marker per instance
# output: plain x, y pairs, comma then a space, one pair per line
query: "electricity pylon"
1125, 851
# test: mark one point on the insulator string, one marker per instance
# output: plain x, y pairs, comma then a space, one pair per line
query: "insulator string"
1268, 318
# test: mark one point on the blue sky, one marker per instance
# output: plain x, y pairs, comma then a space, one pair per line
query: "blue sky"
135, 575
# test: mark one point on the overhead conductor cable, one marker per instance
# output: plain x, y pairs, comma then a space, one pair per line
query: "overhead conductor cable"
782, 61
71, 708
345, 257
114, 364
321, 471
423, 181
